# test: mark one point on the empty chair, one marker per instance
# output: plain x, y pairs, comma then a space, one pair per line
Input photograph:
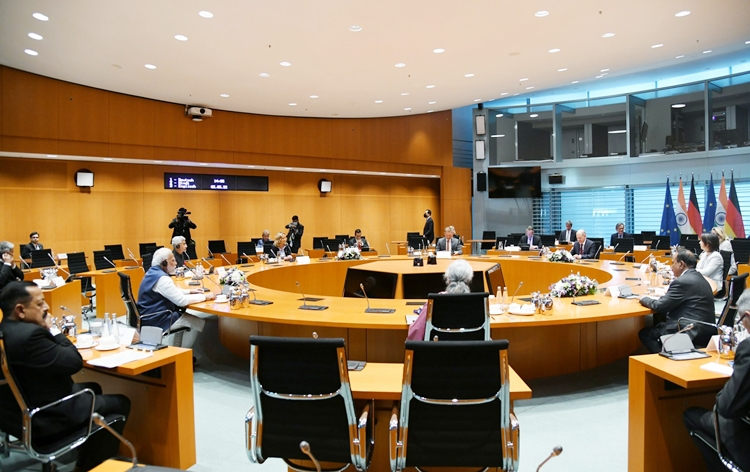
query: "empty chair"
301, 392
736, 285
411, 234
115, 250
145, 248
638, 239
488, 235
495, 279
42, 258
217, 246
319, 242
103, 260
624, 245
418, 242
245, 247
661, 243
457, 317
455, 407
501, 242
190, 252
548, 240
76, 265
342, 238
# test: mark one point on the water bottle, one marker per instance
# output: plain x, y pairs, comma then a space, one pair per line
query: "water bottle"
115, 328
259, 247
106, 326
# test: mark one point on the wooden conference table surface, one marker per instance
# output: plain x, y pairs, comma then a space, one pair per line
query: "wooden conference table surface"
566, 339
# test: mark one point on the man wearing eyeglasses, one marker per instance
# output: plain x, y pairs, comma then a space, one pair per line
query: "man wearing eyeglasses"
732, 404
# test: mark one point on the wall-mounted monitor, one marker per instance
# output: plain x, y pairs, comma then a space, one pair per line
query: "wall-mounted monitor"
515, 182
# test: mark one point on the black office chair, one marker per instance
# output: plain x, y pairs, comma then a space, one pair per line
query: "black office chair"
727, 259
146, 248
455, 407
115, 250
737, 285
457, 317
715, 443
488, 235
217, 246
147, 260
495, 279
44, 449
173, 337
102, 260
301, 393
76, 265
501, 242
42, 258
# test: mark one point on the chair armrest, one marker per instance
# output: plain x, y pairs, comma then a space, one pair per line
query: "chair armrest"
394, 444
176, 330
365, 437
514, 443
151, 315
251, 436
29, 414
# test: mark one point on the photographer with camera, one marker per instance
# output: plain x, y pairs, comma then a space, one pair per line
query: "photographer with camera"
181, 226
294, 237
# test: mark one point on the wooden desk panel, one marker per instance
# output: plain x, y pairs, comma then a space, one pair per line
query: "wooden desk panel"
161, 424
657, 437
108, 298
68, 295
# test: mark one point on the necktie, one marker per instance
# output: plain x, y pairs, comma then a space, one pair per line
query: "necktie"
449, 246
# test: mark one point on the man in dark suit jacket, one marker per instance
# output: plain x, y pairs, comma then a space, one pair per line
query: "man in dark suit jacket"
429, 227
690, 296
567, 235
583, 248
294, 236
34, 245
9, 272
42, 361
620, 228
530, 239
732, 403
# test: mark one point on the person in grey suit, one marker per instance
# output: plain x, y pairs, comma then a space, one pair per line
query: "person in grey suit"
690, 296
567, 235
583, 248
530, 239
732, 403
449, 242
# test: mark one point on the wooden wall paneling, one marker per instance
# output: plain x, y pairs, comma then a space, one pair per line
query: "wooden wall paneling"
284, 135
346, 140
172, 128
217, 157
174, 154
250, 159
131, 121
252, 133
2, 107
455, 196
22, 217
31, 145
317, 136
84, 113
385, 139
430, 138
217, 132
363, 185
37, 174
371, 214
131, 151
406, 215
30, 105
82, 148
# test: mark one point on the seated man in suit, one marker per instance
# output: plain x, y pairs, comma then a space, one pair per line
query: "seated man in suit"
732, 403
690, 296
583, 248
159, 298
568, 235
620, 228
359, 241
9, 271
180, 250
529, 239
449, 242
42, 359
34, 245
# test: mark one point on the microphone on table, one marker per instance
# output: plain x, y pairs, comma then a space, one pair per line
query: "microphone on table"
374, 310
57, 266
514, 293
188, 260
109, 271
556, 451
325, 248
615, 248
716, 326
211, 270
304, 305
225, 259
248, 260
623, 256
130, 253
387, 249
657, 244
274, 254
686, 328
211, 254
255, 301
24, 262
646, 258
596, 255
305, 447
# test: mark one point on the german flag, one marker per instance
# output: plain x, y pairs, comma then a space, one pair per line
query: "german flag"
694, 212
733, 226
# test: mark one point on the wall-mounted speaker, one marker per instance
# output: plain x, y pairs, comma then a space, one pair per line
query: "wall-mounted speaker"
480, 125
479, 149
481, 181
555, 179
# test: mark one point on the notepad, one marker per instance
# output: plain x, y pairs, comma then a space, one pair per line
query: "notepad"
121, 358
718, 368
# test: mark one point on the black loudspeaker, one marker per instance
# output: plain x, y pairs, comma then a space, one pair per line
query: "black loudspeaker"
555, 179
481, 181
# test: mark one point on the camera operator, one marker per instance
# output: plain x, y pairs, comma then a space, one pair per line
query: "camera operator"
294, 237
181, 226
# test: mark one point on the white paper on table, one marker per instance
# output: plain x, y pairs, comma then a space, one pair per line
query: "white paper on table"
718, 368
443, 254
121, 358
303, 259
220, 271
614, 291
40, 283
410, 319
59, 281
126, 334
644, 268
62, 256
189, 274
713, 344
495, 309
639, 247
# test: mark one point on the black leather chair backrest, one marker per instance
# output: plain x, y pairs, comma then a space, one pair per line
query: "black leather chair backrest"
455, 311
116, 250
145, 248
126, 293
488, 235
77, 263
42, 258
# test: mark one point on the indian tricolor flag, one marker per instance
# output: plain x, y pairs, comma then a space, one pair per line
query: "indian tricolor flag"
721, 205
681, 212
733, 226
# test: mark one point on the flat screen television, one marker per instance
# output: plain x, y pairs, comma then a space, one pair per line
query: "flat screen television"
377, 284
515, 182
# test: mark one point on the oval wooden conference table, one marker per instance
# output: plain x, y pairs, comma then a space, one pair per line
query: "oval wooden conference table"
569, 339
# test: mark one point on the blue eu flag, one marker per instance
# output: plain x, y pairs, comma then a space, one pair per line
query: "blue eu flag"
668, 220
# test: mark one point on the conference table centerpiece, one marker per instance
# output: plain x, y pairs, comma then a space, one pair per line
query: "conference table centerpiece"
233, 277
574, 285
349, 254
561, 255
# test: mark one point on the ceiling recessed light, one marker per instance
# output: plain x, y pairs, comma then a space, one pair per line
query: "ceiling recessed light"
523, 80
313, 96
407, 109
468, 75
430, 86
378, 101
533, 115
656, 46
428, 111
574, 82
682, 13
285, 64
541, 13
292, 104
180, 37
707, 51
604, 70
497, 136
747, 42
680, 56
405, 93
400, 64
516, 94
438, 50
678, 105
598, 76
504, 94
355, 28
499, 115
224, 95
554, 50
38, 37
529, 88
40, 16
608, 35
31, 52
432, 103
562, 70
264, 74
150, 66
206, 14
477, 99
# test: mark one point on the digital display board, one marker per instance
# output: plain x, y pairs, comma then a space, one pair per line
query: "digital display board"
245, 183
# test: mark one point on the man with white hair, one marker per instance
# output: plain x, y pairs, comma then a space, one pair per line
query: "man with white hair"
449, 243
180, 250
9, 272
159, 298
